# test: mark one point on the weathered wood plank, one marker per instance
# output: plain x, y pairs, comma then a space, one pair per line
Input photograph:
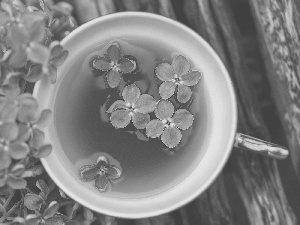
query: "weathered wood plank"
257, 179
278, 26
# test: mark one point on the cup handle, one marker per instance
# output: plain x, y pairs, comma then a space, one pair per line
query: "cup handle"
262, 147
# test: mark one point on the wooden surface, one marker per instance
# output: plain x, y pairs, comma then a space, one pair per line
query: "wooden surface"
250, 188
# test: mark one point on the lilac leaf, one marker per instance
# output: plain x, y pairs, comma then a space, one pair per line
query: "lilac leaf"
88, 215
33, 201
18, 150
180, 65
120, 118
113, 78
119, 104
101, 182
167, 89
145, 104
16, 182
130, 94
9, 131
140, 120
171, 137
191, 78
113, 172
89, 172
184, 93
102, 64
41, 184
183, 119
164, 72
51, 210
164, 109
114, 53
126, 66
155, 128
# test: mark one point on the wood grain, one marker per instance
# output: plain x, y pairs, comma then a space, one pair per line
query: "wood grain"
278, 24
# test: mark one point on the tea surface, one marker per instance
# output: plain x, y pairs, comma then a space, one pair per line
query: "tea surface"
85, 132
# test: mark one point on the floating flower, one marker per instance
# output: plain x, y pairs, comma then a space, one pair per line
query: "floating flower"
168, 123
114, 64
180, 75
102, 172
135, 107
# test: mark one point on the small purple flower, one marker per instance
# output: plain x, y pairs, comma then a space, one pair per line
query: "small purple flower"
102, 172
169, 124
178, 75
135, 107
114, 64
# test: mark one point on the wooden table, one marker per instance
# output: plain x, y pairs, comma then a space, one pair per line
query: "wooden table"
258, 40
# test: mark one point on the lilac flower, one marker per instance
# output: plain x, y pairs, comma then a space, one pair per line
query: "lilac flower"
135, 107
102, 172
114, 64
169, 124
178, 75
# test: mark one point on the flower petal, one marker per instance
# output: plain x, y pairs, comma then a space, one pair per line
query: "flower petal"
119, 104
120, 118
18, 150
27, 114
114, 53
44, 118
101, 182
164, 72
113, 78
140, 120
89, 172
180, 65
131, 94
145, 104
167, 89
164, 109
17, 170
51, 210
191, 78
5, 159
155, 128
37, 138
171, 137
184, 93
33, 201
16, 182
24, 133
101, 63
183, 119
9, 131
113, 172
101, 161
126, 65
43, 151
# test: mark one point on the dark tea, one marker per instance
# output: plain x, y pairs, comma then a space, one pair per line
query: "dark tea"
85, 132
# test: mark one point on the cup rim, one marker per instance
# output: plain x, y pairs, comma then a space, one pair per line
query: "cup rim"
227, 149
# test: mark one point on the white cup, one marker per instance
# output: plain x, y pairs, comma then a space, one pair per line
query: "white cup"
218, 111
